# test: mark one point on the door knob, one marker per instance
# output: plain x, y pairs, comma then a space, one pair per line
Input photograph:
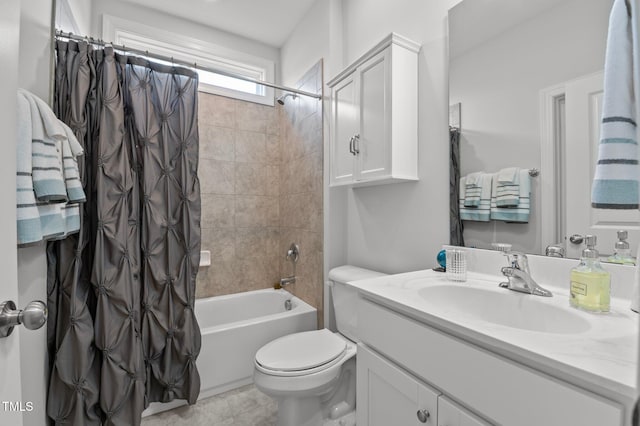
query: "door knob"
576, 239
33, 316
423, 415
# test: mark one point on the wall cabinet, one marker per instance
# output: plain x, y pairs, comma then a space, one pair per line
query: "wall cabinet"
374, 116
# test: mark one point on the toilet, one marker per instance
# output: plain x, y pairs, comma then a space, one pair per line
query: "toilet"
312, 374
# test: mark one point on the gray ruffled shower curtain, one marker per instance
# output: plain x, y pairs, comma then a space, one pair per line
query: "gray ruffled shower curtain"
122, 330
456, 227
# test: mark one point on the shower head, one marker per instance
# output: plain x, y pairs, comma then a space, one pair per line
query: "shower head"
283, 97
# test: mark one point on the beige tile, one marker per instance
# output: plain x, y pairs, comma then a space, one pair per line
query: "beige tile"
216, 177
252, 211
253, 117
220, 242
250, 147
215, 280
272, 180
218, 211
273, 124
272, 149
217, 143
214, 110
251, 179
255, 273
253, 242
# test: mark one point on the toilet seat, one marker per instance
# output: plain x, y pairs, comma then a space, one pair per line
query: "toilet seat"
301, 353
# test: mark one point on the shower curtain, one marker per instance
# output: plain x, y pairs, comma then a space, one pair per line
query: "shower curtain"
122, 330
456, 227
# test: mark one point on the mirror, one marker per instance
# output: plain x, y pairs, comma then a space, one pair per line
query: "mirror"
505, 56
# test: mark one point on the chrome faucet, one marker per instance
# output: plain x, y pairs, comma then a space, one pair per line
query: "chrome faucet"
292, 255
518, 276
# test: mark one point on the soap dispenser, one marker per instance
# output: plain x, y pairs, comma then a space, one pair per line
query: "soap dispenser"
622, 251
590, 283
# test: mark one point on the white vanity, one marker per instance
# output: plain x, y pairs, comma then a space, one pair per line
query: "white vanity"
443, 353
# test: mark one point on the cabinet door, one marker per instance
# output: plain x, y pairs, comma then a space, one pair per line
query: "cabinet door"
373, 143
345, 119
386, 395
450, 414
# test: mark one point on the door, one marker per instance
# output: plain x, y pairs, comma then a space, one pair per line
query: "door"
386, 395
450, 414
375, 117
345, 117
583, 112
10, 381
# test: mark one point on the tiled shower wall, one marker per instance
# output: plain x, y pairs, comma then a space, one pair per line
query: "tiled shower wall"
261, 182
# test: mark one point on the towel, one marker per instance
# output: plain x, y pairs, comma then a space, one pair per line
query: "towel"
28, 217
473, 189
508, 188
48, 180
615, 184
46, 149
71, 149
519, 213
482, 212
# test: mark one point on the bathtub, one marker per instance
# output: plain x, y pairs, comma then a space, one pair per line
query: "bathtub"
233, 328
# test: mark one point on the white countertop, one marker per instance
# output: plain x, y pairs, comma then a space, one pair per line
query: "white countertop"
603, 358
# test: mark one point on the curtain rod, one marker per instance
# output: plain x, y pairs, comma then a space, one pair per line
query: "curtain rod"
193, 65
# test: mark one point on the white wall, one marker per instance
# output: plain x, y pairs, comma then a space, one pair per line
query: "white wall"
177, 25
401, 227
498, 83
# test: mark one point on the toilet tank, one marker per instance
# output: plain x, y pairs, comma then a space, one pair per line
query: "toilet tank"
344, 297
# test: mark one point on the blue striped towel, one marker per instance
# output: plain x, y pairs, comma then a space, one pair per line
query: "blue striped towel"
482, 212
27, 214
473, 189
48, 180
519, 213
615, 184
71, 149
508, 188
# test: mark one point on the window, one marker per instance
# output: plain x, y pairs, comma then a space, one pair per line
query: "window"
228, 62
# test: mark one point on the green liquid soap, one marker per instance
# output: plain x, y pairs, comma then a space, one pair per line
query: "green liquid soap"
590, 290
590, 286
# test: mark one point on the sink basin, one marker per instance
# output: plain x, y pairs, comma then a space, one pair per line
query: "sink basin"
505, 308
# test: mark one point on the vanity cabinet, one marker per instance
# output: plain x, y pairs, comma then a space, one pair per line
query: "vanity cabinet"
388, 395
374, 116
498, 389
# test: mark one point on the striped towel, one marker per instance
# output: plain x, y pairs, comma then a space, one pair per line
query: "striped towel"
28, 217
508, 188
48, 180
615, 184
521, 212
473, 189
482, 212
71, 149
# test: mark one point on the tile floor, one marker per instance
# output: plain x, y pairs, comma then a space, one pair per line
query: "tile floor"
245, 406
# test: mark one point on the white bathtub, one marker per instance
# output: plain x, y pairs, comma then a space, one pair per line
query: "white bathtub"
233, 328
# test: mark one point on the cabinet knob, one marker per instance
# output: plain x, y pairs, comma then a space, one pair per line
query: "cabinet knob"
423, 415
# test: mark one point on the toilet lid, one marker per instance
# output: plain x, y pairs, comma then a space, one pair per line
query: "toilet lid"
301, 351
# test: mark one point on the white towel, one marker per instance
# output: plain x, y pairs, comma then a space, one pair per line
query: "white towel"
519, 213
71, 149
28, 217
482, 211
508, 188
48, 180
473, 189
615, 184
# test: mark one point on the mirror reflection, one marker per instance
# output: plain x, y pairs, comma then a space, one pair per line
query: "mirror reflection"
527, 79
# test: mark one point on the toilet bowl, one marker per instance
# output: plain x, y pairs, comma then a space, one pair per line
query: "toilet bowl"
312, 374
